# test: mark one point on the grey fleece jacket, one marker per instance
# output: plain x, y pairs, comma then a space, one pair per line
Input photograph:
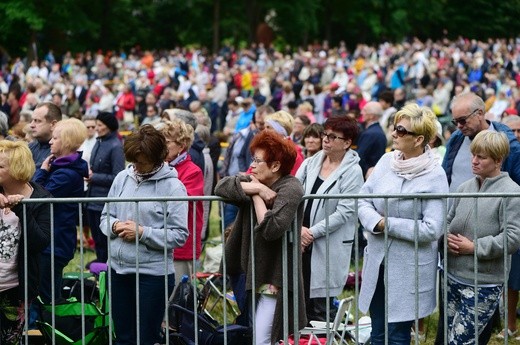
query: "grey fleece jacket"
492, 219
160, 230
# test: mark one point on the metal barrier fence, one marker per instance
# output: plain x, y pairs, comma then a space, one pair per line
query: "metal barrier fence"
289, 241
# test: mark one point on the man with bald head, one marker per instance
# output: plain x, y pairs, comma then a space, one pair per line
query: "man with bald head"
371, 143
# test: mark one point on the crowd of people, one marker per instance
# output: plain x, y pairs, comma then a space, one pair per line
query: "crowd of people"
316, 120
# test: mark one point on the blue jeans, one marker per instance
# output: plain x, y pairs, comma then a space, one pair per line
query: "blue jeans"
398, 332
230, 214
151, 307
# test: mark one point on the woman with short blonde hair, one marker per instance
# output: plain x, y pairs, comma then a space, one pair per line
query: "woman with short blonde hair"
411, 168
62, 173
25, 233
485, 231
73, 133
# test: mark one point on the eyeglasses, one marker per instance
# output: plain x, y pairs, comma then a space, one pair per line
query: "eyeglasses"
91, 127
330, 136
463, 119
401, 131
257, 161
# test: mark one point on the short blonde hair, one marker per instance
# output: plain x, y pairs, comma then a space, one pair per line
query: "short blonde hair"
20, 159
490, 143
73, 133
178, 131
422, 120
285, 119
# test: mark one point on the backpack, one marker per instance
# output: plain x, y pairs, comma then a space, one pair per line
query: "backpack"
182, 316
68, 319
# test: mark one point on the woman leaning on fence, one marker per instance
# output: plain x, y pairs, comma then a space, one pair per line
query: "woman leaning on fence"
145, 237
19, 231
273, 198
411, 168
480, 229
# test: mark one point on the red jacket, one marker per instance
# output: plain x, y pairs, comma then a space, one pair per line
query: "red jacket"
193, 179
125, 103
299, 159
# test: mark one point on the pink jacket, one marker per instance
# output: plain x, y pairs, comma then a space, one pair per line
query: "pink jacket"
193, 179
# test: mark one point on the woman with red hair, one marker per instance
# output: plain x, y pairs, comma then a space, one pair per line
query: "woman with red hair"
273, 197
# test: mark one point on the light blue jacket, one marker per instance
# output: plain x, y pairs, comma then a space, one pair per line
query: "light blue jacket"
342, 222
160, 230
402, 233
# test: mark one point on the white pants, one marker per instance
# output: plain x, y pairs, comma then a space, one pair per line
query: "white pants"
264, 319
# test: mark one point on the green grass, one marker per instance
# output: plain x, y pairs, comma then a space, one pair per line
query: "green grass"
76, 265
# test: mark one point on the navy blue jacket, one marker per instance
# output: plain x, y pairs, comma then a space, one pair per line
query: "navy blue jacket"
106, 161
511, 164
65, 179
195, 151
371, 146
40, 151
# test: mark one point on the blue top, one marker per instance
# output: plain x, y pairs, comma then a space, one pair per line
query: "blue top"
106, 161
64, 180
40, 151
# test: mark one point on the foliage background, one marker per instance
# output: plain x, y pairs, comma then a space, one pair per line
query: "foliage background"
79, 25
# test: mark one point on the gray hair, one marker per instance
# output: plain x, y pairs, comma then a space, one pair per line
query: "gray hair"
88, 118
204, 133
184, 115
508, 120
474, 101
4, 124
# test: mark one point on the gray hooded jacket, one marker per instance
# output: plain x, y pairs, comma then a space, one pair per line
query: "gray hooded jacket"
160, 230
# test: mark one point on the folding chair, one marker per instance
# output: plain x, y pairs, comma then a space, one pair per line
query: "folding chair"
212, 294
338, 332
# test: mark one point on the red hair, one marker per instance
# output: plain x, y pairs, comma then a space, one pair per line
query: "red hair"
276, 148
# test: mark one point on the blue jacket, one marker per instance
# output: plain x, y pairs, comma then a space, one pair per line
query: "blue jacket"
64, 180
511, 163
40, 151
245, 118
106, 161
371, 146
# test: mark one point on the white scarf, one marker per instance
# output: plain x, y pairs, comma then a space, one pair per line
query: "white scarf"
416, 166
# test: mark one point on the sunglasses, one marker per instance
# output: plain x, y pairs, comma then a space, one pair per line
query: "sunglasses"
463, 119
401, 131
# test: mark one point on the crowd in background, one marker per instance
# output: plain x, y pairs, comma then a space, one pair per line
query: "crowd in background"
319, 97
316, 81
